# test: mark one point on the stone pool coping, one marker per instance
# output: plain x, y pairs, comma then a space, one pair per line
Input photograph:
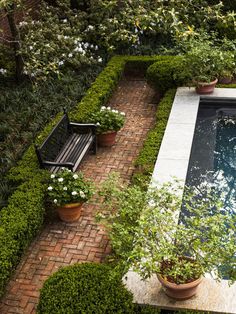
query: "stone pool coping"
172, 160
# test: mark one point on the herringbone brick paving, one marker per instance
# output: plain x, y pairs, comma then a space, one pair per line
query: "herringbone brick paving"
61, 244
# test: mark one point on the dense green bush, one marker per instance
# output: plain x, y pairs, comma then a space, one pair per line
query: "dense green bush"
167, 73
85, 288
147, 156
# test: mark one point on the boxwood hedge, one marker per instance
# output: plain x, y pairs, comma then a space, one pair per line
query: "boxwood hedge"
23, 217
85, 288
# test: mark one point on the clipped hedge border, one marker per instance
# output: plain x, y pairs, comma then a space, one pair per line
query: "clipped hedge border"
23, 217
146, 159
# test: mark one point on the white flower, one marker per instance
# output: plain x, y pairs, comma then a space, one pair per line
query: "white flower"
90, 27
23, 23
81, 193
86, 45
60, 62
55, 200
70, 55
60, 180
113, 110
3, 71
79, 49
74, 193
65, 188
59, 37
100, 59
30, 47
52, 176
50, 188
96, 47
108, 108
103, 108
64, 21
122, 113
98, 124
75, 176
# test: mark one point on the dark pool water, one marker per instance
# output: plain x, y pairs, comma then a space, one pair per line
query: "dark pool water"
213, 154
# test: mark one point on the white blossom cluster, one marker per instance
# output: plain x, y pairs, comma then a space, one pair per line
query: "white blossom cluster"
103, 108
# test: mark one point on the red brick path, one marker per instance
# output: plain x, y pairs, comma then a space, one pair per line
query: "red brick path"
60, 244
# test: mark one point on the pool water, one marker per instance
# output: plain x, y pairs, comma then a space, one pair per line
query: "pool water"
213, 154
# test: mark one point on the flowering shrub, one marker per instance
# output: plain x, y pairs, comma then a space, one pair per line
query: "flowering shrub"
108, 119
68, 187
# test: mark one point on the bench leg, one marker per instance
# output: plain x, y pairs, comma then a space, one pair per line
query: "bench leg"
95, 146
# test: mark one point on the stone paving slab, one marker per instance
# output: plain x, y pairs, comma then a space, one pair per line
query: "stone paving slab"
61, 244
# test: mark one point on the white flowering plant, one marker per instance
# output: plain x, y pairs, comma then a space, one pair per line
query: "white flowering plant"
68, 187
107, 120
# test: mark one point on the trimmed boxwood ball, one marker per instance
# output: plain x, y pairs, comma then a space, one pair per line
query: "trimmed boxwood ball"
167, 73
85, 288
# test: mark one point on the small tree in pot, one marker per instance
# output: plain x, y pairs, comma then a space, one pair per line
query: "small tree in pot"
205, 62
179, 252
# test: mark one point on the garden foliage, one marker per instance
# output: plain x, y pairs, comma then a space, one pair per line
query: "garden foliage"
63, 35
85, 288
166, 73
25, 109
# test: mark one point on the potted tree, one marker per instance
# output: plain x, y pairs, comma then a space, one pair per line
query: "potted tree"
68, 191
148, 234
109, 121
205, 62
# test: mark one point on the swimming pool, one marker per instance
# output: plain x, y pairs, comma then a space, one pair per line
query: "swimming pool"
213, 154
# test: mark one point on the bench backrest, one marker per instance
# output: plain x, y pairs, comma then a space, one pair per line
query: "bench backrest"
52, 145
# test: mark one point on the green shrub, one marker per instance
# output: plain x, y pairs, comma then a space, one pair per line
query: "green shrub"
85, 288
147, 156
166, 73
22, 218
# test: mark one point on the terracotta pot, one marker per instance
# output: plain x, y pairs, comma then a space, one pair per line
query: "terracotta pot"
225, 80
107, 139
182, 291
70, 212
206, 88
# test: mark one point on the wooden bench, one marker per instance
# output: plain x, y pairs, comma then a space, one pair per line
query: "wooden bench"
66, 145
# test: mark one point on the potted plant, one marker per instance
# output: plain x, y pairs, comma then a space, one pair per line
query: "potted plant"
205, 62
148, 235
68, 191
109, 121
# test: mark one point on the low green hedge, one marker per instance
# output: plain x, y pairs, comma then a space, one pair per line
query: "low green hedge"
147, 156
167, 73
22, 218
85, 288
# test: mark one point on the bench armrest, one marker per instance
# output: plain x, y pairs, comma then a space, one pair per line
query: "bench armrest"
91, 126
69, 165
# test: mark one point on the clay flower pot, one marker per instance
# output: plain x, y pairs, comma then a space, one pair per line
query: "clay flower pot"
70, 212
181, 291
107, 139
205, 88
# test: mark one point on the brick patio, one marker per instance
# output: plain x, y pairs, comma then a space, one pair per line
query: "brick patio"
61, 244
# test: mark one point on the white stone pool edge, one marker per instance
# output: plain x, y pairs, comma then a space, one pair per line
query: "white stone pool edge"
172, 161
